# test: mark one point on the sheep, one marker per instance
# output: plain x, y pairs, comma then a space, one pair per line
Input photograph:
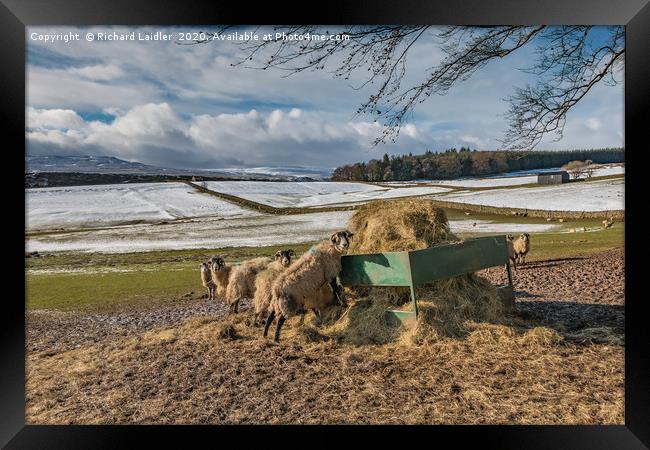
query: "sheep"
296, 288
220, 274
206, 280
242, 281
522, 247
265, 279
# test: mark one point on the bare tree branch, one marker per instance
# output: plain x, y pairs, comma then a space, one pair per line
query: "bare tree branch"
569, 61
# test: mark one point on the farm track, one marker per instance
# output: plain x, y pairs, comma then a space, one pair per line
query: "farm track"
184, 363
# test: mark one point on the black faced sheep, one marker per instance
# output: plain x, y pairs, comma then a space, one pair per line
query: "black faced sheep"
297, 288
265, 279
206, 280
522, 247
220, 274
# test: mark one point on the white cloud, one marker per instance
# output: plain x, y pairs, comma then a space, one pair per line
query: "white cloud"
56, 88
474, 141
152, 132
593, 123
98, 72
53, 119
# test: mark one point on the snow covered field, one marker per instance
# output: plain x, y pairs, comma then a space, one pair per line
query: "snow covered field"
508, 179
600, 171
78, 206
252, 231
314, 194
488, 226
586, 196
262, 230
208, 222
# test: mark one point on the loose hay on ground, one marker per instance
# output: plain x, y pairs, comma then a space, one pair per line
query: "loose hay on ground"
494, 375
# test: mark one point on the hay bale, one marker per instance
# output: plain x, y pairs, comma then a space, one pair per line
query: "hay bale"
398, 225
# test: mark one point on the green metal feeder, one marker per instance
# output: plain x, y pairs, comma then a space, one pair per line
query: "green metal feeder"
418, 267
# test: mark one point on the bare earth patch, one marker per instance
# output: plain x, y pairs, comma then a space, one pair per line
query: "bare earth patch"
188, 363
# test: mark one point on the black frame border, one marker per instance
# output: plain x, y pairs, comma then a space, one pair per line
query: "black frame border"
15, 15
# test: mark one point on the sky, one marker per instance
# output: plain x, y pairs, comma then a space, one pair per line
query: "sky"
185, 106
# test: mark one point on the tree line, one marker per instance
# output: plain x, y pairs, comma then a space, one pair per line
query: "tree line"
453, 163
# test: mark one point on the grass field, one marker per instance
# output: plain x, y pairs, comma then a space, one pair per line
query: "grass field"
129, 280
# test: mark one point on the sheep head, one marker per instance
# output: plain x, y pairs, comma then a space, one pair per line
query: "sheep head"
284, 256
217, 264
341, 240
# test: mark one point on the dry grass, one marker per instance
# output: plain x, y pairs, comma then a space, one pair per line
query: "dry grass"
189, 374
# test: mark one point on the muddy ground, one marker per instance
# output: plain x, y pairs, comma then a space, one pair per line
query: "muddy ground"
187, 363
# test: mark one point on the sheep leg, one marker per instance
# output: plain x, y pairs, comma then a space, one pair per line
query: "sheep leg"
278, 327
269, 321
258, 318
335, 289
319, 320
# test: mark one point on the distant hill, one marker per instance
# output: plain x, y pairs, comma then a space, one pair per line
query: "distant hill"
55, 170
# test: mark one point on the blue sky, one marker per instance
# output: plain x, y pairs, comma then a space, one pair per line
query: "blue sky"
184, 106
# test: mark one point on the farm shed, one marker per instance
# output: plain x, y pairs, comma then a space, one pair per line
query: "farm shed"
558, 177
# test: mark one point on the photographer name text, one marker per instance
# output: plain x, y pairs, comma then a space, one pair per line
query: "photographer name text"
190, 37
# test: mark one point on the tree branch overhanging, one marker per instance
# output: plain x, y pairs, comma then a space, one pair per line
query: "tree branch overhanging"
569, 62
